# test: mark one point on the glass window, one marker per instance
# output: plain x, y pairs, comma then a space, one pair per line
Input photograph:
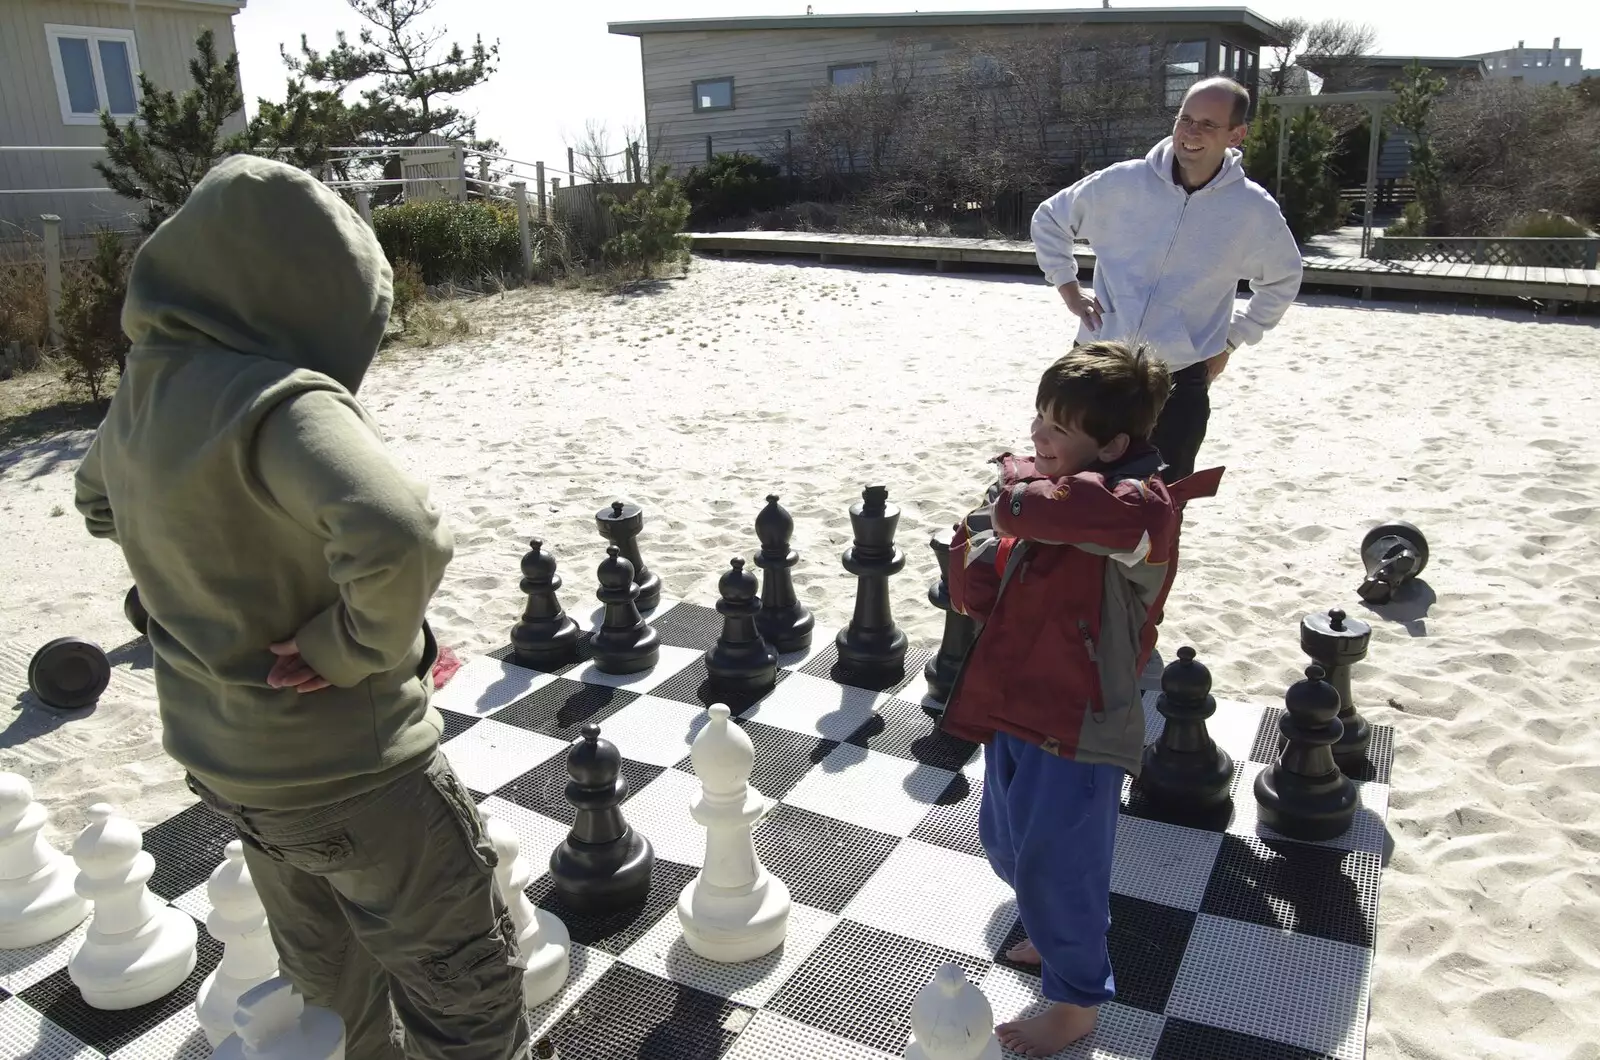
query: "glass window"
852, 74
96, 69
118, 74
714, 95
78, 71
1185, 63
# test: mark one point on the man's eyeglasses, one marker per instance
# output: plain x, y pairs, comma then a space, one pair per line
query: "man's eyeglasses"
1207, 127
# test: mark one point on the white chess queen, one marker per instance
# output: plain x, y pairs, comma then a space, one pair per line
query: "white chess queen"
734, 910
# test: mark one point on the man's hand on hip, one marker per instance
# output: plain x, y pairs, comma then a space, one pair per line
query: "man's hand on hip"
1215, 365
1085, 308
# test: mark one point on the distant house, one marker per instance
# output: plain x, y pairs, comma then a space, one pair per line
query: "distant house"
64, 62
718, 85
1554, 65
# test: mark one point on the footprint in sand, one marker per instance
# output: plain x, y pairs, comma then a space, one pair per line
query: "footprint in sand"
1552, 495
1581, 516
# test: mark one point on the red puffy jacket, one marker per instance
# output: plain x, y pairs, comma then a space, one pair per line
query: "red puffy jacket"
1066, 578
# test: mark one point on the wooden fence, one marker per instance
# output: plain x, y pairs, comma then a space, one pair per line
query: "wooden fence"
1532, 252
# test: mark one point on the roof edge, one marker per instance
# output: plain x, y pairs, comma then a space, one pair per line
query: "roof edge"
1127, 16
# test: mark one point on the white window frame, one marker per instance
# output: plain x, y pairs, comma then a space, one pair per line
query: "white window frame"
94, 35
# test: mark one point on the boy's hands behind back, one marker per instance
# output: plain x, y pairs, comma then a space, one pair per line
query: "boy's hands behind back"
291, 671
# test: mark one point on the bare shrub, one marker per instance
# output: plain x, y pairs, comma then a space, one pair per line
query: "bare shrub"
1507, 151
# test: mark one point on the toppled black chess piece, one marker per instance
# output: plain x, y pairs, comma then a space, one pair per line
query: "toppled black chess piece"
620, 523
740, 661
69, 673
1304, 795
959, 629
625, 643
546, 638
1393, 554
603, 864
783, 621
871, 644
1184, 770
1337, 642
133, 610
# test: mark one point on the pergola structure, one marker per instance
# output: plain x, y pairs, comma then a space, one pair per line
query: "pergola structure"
1374, 102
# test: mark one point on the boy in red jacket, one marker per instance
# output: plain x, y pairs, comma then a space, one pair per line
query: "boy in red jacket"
1066, 569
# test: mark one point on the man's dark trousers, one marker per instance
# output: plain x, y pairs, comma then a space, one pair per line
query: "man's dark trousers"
1181, 428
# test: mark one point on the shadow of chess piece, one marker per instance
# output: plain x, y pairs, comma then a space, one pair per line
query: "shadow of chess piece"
1336, 643
620, 524
959, 629
545, 639
1185, 771
625, 643
740, 660
69, 673
872, 644
133, 609
603, 864
783, 621
1304, 795
1393, 554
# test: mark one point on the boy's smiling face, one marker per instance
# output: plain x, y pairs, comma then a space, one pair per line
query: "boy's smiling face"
1066, 449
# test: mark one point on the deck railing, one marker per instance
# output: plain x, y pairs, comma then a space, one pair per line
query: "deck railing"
1531, 251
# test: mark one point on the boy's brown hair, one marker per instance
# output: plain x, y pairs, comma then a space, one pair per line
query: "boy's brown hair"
1107, 389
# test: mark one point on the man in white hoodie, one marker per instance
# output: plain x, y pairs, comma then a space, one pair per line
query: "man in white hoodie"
1173, 234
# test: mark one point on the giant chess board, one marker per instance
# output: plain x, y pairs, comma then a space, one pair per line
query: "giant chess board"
1229, 942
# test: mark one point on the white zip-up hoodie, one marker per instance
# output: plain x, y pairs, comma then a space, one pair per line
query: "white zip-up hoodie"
1168, 262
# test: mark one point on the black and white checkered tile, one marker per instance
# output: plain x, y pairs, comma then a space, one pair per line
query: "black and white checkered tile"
1229, 941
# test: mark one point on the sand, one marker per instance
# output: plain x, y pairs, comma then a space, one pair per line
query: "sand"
747, 378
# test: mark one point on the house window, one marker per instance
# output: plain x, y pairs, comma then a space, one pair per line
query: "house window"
714, 94
95, 71
1185, 63
851, 74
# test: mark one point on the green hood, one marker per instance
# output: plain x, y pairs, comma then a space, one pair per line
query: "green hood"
266, 260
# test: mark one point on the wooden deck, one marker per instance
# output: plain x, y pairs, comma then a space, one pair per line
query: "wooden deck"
950, 253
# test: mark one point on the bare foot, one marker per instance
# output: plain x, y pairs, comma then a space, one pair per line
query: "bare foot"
1049, 1032
1023, 953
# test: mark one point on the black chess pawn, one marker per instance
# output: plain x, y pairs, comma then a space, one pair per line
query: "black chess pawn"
620, 524
741, 660
133, 610
872, 644
69, 673
959, 629
546, 638
603, 864
1336, 642
1393, 554
625, 643
783, 621
1304, 795
1185, 770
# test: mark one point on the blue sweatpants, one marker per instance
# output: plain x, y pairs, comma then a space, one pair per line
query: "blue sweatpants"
1049, 826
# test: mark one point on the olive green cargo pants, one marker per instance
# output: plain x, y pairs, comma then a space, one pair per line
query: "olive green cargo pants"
384, 909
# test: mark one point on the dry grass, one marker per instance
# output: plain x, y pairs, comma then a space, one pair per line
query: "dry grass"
39, 403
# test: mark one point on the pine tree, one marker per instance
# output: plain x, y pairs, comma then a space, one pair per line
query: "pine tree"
413, 81
1416, 92
1309, 197
160, 157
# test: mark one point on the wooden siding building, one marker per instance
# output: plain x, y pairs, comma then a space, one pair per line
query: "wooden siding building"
745, 84
64, 61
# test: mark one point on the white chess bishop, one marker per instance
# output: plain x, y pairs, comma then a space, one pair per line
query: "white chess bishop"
275, 1023
952, 1020
734, 910
249, 956
542, 938
137, 948
37, 899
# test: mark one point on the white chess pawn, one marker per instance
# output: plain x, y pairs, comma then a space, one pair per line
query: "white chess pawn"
734, 910
952, 1020
137, 949
275, 1023
249, 956
542, 938
37, 901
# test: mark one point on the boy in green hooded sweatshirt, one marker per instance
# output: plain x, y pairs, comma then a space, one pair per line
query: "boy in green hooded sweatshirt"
287, 563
